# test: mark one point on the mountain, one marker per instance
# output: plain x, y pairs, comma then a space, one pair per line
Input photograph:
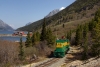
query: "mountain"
28, 23
4, 26
79, 12
50, 14
61, 8
54, 12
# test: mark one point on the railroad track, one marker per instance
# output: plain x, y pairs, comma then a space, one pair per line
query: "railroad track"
48, 63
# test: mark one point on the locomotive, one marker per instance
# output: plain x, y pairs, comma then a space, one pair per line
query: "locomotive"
62, 47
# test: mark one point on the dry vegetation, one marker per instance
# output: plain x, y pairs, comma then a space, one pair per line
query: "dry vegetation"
40, 49
8, 53
72, 25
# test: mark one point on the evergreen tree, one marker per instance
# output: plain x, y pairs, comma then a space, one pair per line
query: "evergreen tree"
49, 36
96, 40
69, 34
21, 51
79, 35
85, 43
97, 15
43, 32
34, 38
28, 42
96, 35
63, 25
38, 36
92, 25
85, 30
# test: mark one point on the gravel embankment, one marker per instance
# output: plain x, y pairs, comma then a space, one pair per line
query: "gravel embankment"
92, 62
89, 63
35, 64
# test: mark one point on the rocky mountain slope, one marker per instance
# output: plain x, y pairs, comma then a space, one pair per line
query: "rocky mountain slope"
28, 23
79, 12
4, 26
54, 12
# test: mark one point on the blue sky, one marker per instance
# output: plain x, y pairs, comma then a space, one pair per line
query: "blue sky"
18, 13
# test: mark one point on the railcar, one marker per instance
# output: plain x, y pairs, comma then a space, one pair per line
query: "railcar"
62, 47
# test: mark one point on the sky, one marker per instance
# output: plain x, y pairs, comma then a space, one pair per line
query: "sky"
18, 13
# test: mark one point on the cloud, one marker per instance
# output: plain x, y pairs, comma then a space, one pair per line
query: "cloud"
62, 8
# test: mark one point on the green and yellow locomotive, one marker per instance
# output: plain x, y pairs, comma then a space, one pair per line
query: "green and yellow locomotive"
62, 47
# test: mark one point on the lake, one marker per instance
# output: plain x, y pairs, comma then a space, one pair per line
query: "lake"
10, 38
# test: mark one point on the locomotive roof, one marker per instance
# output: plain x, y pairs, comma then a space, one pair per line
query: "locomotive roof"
62, 41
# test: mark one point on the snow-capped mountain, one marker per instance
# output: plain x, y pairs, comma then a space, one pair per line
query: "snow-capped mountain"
62, 8
28, 23
54, 12
4, 26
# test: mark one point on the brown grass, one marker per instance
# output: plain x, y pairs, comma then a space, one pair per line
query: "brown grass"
8, 53
59, 31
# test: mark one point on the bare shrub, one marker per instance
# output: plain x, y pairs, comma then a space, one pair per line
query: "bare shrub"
30, 51
8, 53
43, 49
39, 49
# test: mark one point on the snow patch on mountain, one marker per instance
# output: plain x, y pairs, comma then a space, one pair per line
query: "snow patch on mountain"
28, 23
54, 12
62, 8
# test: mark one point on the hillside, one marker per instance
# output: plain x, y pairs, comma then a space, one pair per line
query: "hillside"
79, 12
4, 26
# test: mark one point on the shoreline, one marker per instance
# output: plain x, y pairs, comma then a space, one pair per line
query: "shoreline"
7, 35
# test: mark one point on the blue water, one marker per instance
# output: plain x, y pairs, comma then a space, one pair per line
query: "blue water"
9, 38
6, 32
10, 32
